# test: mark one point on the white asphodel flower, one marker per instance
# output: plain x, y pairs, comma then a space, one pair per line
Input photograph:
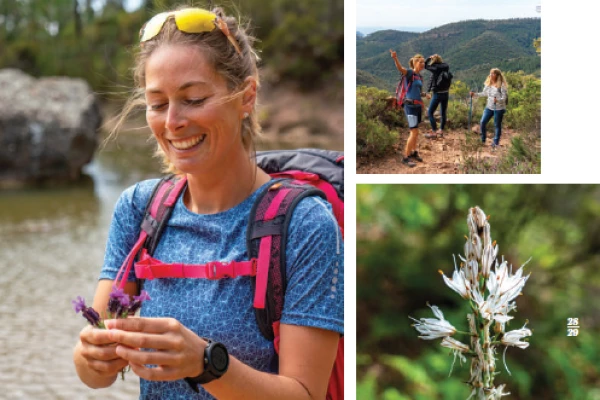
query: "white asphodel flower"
487, 235
490, 252
457, 348
493, 307
431, 328
473, 247
513, 338
502, 283
458, 282
498, 392
454, 344
476, 219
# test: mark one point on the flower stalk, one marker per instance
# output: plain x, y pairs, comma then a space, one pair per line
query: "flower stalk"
490, 287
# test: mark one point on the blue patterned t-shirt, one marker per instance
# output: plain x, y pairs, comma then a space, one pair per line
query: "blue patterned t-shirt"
415, 84
222, 309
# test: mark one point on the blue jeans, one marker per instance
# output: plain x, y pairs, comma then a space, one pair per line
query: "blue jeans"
485, 118
438, 98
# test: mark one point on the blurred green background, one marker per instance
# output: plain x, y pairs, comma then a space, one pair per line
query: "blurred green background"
406, 233
91, 39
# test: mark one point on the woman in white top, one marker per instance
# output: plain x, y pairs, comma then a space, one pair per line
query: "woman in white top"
496, 90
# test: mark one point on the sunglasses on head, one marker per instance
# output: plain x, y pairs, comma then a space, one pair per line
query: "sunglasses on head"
189, 20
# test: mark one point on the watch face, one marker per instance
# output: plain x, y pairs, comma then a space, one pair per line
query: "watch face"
219, 358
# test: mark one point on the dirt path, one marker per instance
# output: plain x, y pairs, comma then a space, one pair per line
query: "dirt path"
440, 156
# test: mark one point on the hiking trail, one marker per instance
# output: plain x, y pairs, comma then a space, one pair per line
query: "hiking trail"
440, 156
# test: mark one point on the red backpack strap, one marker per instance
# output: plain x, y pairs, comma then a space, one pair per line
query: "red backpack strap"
157, 212
266, 238
159, 208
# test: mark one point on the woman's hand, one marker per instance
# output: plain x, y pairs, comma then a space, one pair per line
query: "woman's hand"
428, 95
393, 54
176, 351
471, 94
98, 351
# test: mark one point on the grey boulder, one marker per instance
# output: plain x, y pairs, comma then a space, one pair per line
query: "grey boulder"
49, 128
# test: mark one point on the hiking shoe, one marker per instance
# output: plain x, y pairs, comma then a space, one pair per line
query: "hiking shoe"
495, 146
415, 156
431, 135
406, 160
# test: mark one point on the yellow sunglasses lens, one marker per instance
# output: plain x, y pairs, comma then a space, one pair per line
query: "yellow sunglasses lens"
195, 20
189, 20
153, 26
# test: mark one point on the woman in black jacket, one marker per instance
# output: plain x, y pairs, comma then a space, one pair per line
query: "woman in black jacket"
440, 86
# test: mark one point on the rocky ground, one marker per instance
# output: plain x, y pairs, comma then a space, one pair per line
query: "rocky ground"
440, 156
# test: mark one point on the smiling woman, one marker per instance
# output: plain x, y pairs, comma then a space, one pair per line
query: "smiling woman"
196, 74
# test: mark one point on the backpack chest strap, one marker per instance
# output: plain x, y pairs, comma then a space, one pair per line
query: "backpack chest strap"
151, 268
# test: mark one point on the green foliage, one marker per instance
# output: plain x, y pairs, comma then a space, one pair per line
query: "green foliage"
525, 97
306, 39
459, 89
523, 157
300, 41
366, 79
537, 43
376, 123
405, 233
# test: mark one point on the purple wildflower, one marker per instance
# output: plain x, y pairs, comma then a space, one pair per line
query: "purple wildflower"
115, 300
89, 313
92, 316
123, 306
79, 304
137, 302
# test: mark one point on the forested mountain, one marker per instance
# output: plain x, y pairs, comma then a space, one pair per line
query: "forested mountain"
378, 42
470, 47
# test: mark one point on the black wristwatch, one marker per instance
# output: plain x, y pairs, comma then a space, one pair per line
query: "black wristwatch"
216, 362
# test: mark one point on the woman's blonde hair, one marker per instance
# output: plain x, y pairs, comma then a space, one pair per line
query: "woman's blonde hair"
222, 55
411, 62
500, 81
437, 59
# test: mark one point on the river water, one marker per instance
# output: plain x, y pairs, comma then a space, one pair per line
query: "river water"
51, 250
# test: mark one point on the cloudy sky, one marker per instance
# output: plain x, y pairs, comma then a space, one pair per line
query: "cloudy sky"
433, 13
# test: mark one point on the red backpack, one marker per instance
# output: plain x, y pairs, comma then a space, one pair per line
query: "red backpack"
402, 89
297, 174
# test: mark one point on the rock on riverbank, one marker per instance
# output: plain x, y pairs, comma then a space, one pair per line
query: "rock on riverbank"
48, 128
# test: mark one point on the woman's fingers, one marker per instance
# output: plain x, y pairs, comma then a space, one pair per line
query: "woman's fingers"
102, 353
108, 368
147, 325
159, 373
150, 333
141, 340
145, 357
95, 336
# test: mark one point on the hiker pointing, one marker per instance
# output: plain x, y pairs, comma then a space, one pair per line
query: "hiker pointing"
496, 90
410, 98
198, 336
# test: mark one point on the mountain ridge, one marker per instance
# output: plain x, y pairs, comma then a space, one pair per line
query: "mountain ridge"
470, 47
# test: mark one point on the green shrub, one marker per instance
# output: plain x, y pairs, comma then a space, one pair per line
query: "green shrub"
524, 108
377, 125
523, 157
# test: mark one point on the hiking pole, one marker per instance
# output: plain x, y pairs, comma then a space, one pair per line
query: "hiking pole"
470, 111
